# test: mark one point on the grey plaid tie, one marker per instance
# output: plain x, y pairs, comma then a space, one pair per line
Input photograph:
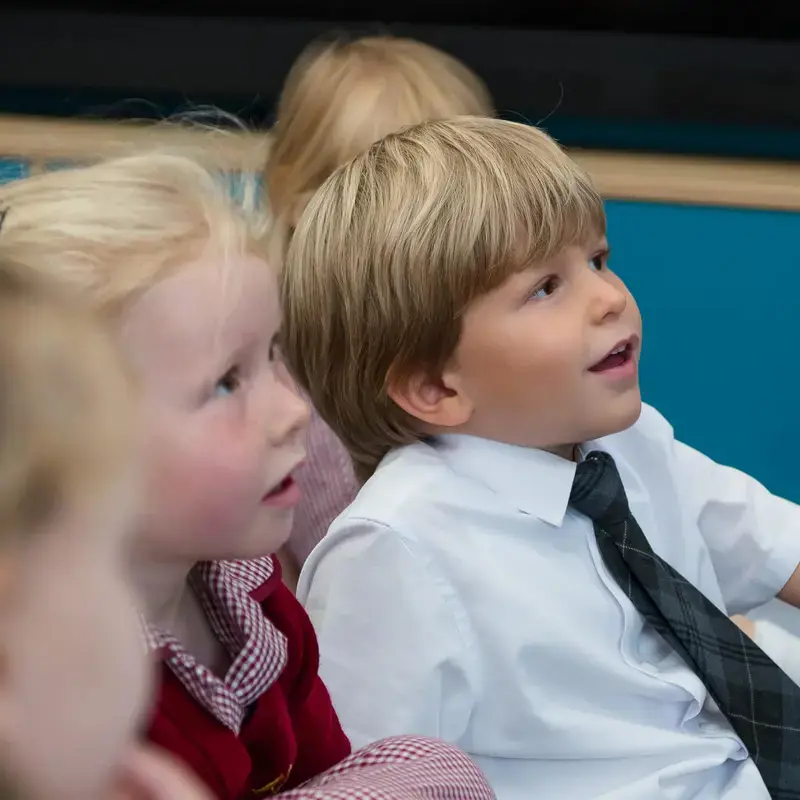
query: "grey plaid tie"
760, 701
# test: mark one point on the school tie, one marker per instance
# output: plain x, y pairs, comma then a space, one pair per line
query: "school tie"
760, 701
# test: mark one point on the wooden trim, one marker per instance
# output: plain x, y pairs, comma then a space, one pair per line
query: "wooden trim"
623, 176
693, 180
41, 139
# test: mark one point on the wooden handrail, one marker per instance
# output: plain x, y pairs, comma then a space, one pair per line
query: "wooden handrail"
618, 175
62, 140
694, 180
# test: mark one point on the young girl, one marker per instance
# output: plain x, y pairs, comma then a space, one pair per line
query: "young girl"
175, 267
338, 99
75, 682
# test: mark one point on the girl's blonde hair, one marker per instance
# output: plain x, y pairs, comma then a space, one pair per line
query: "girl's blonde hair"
395, 246
341, 97
112, 229
66, 416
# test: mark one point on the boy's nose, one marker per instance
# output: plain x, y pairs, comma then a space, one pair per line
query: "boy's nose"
290, 413
608, 300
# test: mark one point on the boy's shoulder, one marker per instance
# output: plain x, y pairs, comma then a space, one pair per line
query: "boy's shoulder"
419, 490
408, 480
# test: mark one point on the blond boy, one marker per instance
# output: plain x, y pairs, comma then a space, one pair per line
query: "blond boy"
541, 571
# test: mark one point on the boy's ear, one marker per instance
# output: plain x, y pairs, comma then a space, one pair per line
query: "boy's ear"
439, 402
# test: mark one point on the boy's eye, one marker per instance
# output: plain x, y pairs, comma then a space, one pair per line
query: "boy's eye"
545, 289
228, 383
599, 261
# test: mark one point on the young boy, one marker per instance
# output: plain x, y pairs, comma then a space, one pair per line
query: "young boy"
75, 680
174, 266
451, 311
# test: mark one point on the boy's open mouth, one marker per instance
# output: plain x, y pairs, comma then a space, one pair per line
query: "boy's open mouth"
281, 487
619, 356
285, 494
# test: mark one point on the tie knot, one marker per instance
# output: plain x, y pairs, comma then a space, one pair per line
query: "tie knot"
597, 490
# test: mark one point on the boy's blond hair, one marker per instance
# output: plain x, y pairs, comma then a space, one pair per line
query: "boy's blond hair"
396, 245
115, 228
341, 97
66, 419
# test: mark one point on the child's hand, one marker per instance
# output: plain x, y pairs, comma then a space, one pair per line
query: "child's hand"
150, 774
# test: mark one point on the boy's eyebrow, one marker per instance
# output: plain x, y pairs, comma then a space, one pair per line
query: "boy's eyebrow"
600, 245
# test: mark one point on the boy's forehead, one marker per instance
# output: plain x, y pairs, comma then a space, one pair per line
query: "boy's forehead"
559, 255
214, 280
206, 306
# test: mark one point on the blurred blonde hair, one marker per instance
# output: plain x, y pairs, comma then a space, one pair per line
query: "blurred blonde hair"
395, 246
65, 406
112, 229
340, 97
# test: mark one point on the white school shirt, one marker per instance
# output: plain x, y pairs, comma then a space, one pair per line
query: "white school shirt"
460, 597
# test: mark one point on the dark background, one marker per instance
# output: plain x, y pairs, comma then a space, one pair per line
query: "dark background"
645, 74
702, 77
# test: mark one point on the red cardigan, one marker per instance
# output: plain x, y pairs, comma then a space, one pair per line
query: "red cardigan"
290, 735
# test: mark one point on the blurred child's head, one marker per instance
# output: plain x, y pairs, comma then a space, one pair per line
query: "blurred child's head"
160, 248
454, 278
72, 662
341, 97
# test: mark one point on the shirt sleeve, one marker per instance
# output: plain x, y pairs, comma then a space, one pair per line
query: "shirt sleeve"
753, 536
394, 650
402, 768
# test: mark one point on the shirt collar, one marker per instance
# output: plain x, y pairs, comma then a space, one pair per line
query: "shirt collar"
230, 593
250, 576
536, 482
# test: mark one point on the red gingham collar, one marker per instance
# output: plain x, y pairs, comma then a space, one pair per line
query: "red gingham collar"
257, 648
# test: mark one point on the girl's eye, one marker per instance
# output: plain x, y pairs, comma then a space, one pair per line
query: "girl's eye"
545, 289
228, 383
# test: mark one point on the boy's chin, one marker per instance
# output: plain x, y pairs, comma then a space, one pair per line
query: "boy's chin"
619, 418
266, 538
272, 536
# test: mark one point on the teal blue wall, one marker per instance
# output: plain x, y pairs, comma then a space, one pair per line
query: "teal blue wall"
719, 291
